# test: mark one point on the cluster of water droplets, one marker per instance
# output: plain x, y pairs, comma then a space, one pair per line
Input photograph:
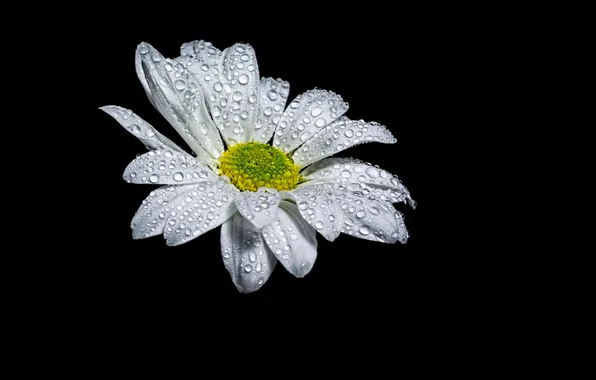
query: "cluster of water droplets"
231, 84
386, 185
273, 96
166, 167
245, 254
291, 240
151, 217
305, 116
258, 207
200, 209
340, 135
350, 208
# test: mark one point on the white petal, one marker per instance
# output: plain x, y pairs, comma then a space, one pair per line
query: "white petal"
141, 129
246, 256
178, 96
273, 96
319, 205
205, 207
153, 214
292, 240
307, 115
386, 185
366, 216
259, 207
341, 134
165, 167
232, 89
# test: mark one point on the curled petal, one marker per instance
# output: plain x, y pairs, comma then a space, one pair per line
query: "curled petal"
292, 240
307, 115
340, 135
178, 96
153, 214
141, 129
386, 185
259, 207
232, 89
319, 205
166, 167
203, 208
368, 217
245, 255
273, 96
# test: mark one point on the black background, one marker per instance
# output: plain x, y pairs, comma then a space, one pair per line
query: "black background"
394, 72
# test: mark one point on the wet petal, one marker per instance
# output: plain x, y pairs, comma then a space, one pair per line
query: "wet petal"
200, 52
178, 96
292, 240
165, 167
307, 115
340, 135
273, 97
153, 214
141, 129
366, 216
231, 87
320, 207
259, 207
202, 209
245, 254
386, 185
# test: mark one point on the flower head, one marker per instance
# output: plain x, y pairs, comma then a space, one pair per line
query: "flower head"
270, 199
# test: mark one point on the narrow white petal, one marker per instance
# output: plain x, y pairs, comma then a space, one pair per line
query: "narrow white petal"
340, 135
292, 240
231, 85
307, 115
202, 209
259, 207
141, 129
153, 214
178, 96
165, 167
319, 205
386, 185
273, 96
245, 255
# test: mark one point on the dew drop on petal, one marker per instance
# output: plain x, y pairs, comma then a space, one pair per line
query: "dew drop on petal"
178, 177
243, 79
154, 178
319, 225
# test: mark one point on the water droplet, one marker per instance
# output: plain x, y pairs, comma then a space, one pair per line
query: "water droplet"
180, 85
217, 86
178, 177
319, 225
316, 111
154, 178
364, 230
349, 133
303, 205
293, 237
372, 172
294, 104
150, 133
188, 232
244, 57
361, 214
272, 95
168, 67
247, 268
252, 256
237, 129
394, 181
374, 211
216, 111
320, 122
346, 173
244, 115
133, 174
144, 49
237, 96
136, 129
243, 79
332, 218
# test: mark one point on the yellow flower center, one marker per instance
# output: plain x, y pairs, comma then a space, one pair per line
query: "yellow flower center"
252, 165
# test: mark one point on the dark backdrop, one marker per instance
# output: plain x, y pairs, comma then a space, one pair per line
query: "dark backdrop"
392, 72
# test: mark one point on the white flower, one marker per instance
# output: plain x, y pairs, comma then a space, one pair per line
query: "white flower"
269, 199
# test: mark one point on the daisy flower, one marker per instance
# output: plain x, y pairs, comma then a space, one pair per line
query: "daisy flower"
270, 199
